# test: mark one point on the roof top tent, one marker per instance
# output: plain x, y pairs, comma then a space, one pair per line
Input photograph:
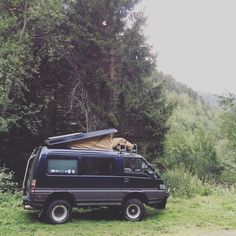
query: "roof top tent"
98, 140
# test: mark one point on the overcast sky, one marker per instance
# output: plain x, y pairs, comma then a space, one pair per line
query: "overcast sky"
195, 41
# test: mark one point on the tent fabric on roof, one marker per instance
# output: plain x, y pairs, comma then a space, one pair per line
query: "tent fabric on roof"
122, 142
101, 143
98, 143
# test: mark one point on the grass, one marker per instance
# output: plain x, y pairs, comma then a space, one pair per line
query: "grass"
195, 216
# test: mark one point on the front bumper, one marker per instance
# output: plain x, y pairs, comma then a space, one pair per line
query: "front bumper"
160, 203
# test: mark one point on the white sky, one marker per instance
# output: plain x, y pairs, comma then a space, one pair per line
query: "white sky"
195, 41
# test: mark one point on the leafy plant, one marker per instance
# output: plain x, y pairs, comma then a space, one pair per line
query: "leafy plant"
7, 183
181, 183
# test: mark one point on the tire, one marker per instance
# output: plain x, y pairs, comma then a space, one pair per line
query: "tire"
133, 210
58, 212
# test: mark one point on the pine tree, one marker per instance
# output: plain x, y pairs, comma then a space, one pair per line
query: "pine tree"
81, 65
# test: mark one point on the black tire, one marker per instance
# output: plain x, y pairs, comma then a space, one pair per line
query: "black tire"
58, 212
133, 210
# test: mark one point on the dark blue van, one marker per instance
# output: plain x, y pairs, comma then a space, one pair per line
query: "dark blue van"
58, 179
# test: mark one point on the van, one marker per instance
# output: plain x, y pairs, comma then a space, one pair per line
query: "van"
59, 178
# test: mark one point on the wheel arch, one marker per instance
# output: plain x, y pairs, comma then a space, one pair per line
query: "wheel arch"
135, 195
61, 195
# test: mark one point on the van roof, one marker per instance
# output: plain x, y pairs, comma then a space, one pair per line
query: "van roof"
88, 152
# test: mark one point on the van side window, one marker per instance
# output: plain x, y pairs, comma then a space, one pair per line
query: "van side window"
135, 166
62, 166
97, 166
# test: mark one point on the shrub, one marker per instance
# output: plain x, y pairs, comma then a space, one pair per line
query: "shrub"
181, 183
7, 183
228, 177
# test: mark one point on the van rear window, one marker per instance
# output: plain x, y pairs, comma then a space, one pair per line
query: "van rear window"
62, 166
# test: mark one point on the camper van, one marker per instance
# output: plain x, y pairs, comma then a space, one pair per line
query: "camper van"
90, 170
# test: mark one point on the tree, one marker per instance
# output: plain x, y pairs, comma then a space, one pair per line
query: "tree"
228, 103
191, 143
26, 38
15, 58
145, 121
228, 132
77, 66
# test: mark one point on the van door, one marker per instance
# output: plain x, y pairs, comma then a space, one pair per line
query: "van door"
100, 181
29, 170
138, 176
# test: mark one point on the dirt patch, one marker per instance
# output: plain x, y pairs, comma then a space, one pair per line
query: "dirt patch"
219, 233
201, 232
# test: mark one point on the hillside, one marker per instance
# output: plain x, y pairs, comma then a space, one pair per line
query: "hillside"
196, 142
209, 98
170, 84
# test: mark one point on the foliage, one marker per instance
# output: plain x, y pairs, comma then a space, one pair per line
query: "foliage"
7, 183
23, 53
228, 126
5, 118
75, 65
192, 139
151, 112
228, 177
172, 85
228, 147
182, 183
201, 137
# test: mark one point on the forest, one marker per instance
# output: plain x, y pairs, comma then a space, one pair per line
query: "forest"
77, 65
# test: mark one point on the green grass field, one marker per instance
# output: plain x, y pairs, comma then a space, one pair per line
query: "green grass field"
202, 215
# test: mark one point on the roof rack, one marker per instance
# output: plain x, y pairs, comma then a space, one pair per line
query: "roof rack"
124, 148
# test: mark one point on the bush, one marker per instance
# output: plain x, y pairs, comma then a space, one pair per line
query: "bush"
181, 183
228, 178
7, 183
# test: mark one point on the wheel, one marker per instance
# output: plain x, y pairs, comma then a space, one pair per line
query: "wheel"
58, 212
133, 210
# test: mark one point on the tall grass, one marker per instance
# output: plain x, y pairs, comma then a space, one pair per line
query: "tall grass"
181, 183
